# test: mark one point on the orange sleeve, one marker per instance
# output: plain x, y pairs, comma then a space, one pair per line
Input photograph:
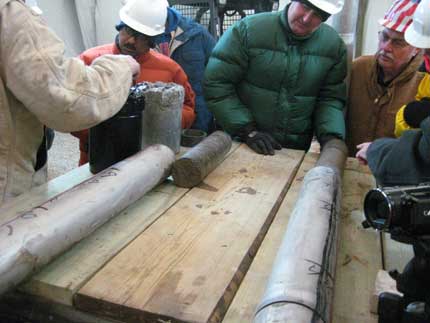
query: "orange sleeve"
87, 60
88, 57
82, 135
188, 113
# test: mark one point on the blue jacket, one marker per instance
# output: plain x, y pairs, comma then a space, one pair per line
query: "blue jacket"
191, 47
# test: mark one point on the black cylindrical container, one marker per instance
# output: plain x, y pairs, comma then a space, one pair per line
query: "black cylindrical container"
120, 136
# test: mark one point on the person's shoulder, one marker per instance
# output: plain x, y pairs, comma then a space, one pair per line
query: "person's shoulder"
186, 23
193, 29
261, 18
163, 61
259, 24
425, 76
328, 41
363, 61
94, 52
424, 84
156, 56
329, 33
362, 69
325, 41
105, 49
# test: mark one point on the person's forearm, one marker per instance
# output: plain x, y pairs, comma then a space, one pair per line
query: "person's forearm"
62, 92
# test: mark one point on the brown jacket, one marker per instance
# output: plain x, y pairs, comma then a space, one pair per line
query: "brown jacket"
38, 86
372, 107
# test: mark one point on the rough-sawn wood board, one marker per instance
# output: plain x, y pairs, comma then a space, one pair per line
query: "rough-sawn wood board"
187, 266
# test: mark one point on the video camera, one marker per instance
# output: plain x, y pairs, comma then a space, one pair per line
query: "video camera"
404, 212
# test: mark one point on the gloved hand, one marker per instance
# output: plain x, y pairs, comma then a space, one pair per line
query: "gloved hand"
262, 143
416, 111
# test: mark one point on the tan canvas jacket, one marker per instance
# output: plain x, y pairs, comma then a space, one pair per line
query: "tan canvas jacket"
38, 86
371, 107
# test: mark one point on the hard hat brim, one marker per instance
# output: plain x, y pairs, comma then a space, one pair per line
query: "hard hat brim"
415, 39
328, 7
138, 26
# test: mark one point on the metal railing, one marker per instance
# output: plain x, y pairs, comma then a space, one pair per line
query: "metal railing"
219, 15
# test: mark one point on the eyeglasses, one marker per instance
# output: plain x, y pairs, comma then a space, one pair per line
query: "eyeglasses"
397, 43
133, 33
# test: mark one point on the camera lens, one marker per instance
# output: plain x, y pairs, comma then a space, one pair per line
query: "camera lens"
377, 209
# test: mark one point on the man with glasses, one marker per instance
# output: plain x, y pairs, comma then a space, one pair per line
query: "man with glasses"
276, 79
383, 83
141, 20
406, 160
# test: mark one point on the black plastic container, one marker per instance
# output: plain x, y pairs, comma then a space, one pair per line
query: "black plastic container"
120, 136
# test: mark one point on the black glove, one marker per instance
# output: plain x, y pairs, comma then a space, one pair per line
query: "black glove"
260, 142
416, 111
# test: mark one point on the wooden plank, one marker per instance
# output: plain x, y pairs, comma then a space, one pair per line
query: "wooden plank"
60, 280
359, 253
187, 266
396, 254
21, 308
353, 164
58, 185
242, 309
42, 193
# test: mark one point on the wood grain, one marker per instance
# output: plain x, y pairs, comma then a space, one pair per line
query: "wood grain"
61, 279
42, 193
187, 266
359, 253
252, 288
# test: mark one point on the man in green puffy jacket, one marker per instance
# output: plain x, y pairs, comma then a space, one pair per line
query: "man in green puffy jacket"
276, 79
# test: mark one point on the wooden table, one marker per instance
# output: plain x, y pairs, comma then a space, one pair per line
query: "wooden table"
201, 254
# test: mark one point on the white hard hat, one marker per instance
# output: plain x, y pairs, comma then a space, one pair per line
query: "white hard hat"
418, 33
332, 7
145, 16
399, 16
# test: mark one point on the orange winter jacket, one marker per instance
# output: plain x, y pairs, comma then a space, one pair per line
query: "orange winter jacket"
154, 67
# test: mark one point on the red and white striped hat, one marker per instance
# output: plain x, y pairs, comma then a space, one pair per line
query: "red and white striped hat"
399, 16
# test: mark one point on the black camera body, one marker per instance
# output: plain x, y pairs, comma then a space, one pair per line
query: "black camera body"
404, 212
